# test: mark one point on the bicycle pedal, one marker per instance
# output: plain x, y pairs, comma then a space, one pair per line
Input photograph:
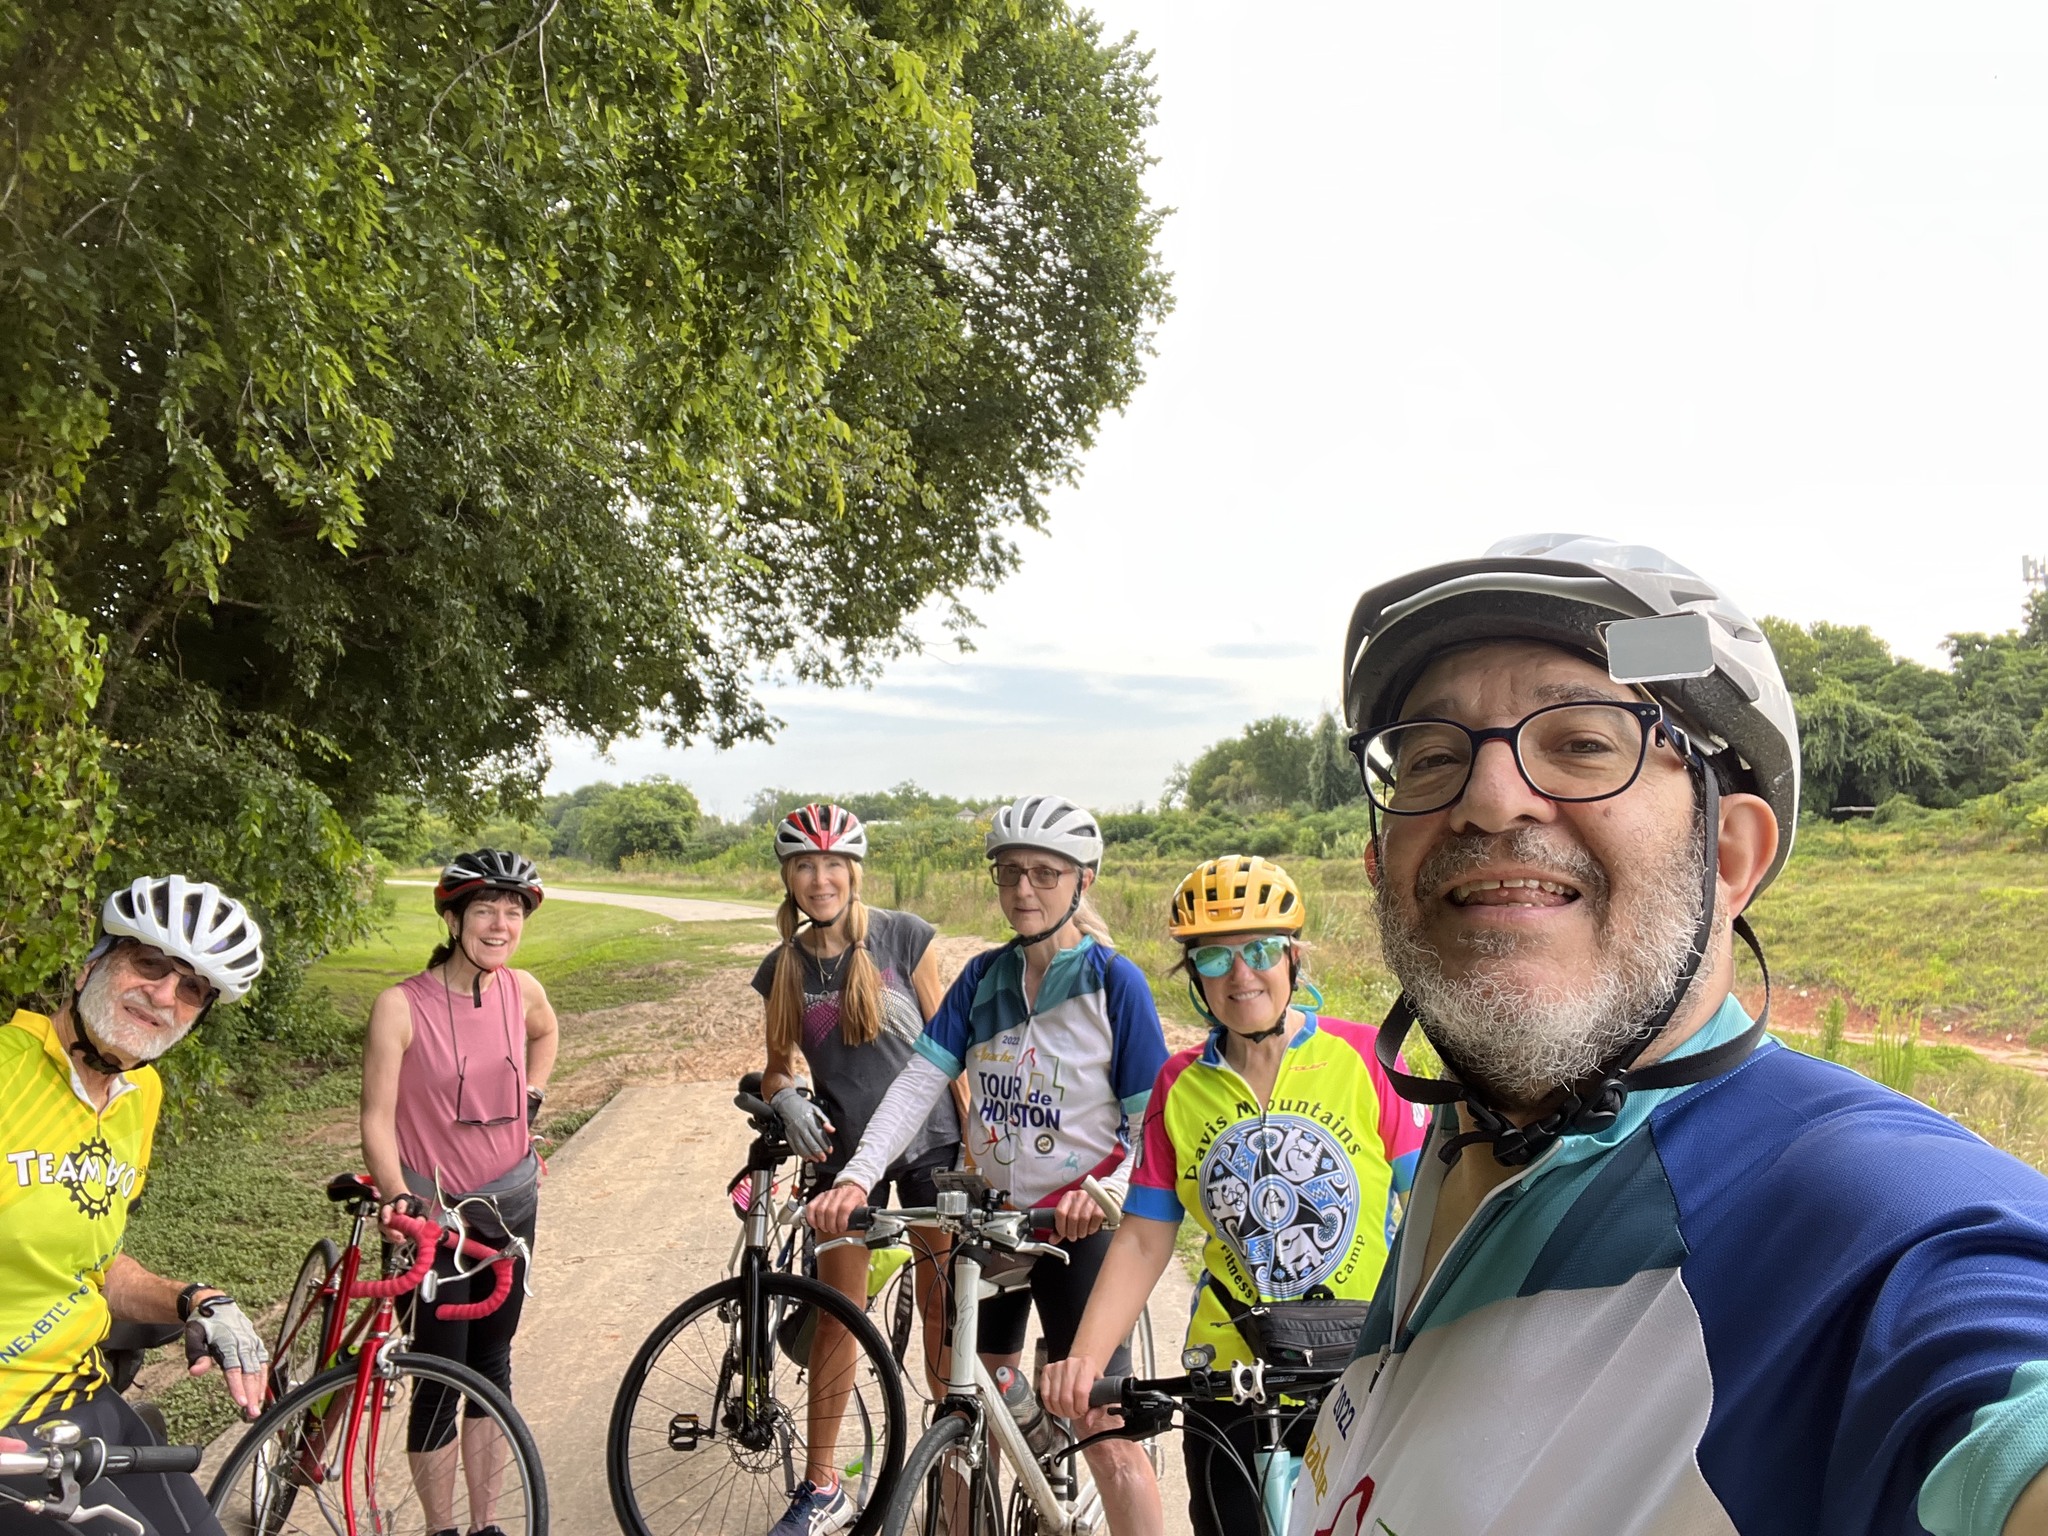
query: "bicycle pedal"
684, 1432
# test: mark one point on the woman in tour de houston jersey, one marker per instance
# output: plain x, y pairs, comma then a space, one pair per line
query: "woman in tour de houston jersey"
1058, 1040
850, 987
1283, 1138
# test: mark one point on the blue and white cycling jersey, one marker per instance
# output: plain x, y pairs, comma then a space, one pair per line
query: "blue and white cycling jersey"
1054, 1089
1786, 1301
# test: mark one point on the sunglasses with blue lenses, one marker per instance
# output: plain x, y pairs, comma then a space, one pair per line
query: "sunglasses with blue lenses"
1261, 954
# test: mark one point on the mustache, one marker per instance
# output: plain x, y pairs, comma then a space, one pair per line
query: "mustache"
1467, 852
138, 999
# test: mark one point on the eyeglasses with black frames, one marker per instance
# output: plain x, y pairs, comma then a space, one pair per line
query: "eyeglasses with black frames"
1043, 877
1573, 753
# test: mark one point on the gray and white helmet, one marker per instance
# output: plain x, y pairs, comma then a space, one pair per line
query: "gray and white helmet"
1566, 589
192, 921
1049, 822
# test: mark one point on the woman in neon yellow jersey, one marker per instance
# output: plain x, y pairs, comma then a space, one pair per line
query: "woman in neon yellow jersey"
1283, 1139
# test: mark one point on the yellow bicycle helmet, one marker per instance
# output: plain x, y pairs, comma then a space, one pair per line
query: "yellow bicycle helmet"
1236, 894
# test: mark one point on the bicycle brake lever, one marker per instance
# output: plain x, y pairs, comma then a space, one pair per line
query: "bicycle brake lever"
1043, 1248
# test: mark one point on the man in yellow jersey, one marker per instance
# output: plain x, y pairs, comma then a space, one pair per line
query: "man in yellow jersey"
78, 1111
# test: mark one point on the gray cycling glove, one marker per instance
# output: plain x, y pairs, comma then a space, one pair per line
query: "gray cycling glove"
803, 1123
221, 1329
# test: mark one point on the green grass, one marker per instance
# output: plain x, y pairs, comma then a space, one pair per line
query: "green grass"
1898, 920
587, 956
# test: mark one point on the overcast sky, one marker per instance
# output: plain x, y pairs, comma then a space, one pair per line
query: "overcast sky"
1763, 284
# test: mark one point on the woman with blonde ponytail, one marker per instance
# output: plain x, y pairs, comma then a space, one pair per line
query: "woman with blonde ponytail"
849, 989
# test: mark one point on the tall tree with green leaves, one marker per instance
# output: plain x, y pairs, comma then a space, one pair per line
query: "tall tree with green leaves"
396, 385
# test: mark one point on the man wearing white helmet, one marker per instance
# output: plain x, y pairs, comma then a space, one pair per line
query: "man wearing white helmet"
78, 1112
1659, 1272
1058, 1041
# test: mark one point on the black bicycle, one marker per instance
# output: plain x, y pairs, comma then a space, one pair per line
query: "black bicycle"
70, 1461
711, 1431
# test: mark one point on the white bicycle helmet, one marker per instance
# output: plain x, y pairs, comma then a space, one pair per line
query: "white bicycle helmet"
1049, 822
192, 921
1564, 589
821, 829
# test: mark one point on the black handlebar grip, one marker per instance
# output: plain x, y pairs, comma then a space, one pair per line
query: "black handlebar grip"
760, 1108
860, 1218
1045, 1221
1107, 1392
152, 1458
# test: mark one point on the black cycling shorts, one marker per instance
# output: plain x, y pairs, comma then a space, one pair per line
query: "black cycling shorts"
168, 1504
1060, 1292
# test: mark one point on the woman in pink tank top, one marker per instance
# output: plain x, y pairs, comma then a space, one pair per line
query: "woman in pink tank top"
453, 1074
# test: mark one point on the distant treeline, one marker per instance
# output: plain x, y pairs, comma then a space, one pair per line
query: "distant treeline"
1876, 732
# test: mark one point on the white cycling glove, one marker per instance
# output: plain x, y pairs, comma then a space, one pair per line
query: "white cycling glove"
221, 1329
803, 1123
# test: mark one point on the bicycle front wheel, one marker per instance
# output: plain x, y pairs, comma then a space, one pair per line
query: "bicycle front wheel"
432, 1445
296, 1357
697, 1449
948, 1487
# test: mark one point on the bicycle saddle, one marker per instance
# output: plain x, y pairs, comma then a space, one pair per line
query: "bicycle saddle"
350, 1186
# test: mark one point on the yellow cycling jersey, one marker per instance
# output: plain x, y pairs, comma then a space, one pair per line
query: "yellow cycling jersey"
1297, 1195
68, 1175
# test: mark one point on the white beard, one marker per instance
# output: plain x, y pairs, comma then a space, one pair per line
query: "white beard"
110, 1032
1518, 1041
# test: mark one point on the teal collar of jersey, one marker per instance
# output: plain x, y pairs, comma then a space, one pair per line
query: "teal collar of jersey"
1212, 1052
1058, 982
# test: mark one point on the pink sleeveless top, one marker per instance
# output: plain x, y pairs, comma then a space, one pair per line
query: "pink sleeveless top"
465, 1069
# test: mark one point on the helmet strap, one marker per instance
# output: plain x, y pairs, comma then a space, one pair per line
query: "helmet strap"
1025, 941
1595, 1102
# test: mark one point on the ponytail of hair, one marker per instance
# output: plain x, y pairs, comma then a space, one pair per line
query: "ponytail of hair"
860, 983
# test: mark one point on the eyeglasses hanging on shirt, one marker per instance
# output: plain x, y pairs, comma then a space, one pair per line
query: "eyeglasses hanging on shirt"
487, 1093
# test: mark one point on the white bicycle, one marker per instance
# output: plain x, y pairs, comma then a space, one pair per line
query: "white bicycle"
974, 1473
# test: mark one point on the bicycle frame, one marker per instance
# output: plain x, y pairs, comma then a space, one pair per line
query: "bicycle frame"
970, 1385
372, 1336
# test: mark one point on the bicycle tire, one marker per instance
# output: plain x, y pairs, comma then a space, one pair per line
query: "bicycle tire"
659, 1407
898, 1307
914, 1506
246, 1480
296, 1356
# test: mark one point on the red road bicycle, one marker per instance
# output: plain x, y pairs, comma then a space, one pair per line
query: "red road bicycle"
364, 1438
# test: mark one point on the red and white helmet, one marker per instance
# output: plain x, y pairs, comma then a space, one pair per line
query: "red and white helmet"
821, 829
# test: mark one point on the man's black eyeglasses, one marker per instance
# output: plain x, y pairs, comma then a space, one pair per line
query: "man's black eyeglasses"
1573, 753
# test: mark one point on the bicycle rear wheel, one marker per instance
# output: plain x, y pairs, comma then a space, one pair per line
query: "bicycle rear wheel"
693, 1451
291, 1474
296, 1355
946, 1488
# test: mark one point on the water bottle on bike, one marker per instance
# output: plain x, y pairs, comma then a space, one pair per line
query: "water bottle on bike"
1042, 1431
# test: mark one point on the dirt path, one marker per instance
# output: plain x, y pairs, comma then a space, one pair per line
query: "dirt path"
680, 909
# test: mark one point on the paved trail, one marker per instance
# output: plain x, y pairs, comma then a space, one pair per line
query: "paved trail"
633, 1219
680, 909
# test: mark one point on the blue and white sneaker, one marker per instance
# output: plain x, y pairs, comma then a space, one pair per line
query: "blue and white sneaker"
816, 1511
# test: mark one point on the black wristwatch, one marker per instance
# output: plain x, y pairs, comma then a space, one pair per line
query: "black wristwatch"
185, 1298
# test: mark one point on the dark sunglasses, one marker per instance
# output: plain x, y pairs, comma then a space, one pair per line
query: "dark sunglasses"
1262, 954
461, 1090
154, 965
